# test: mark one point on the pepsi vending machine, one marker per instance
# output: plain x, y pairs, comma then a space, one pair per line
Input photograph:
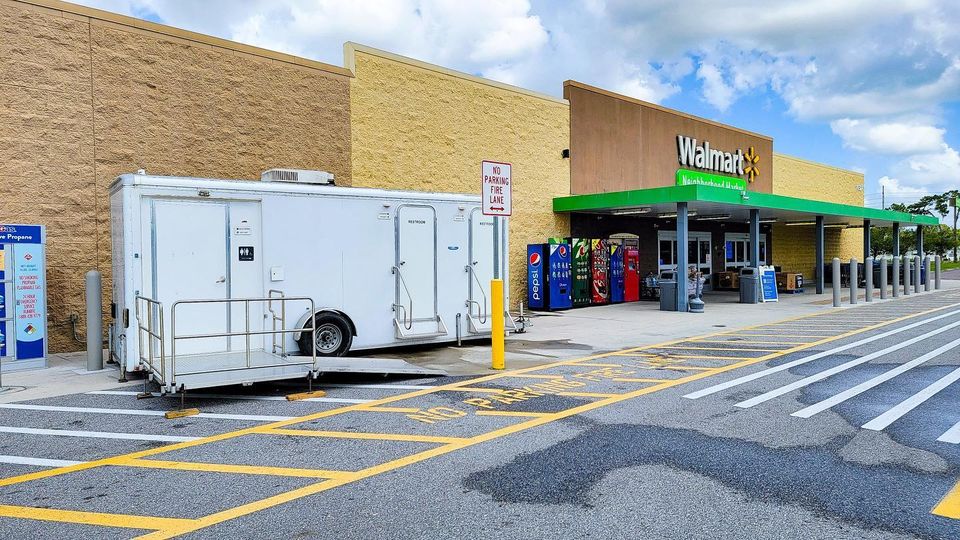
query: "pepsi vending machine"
616, 273
549, 273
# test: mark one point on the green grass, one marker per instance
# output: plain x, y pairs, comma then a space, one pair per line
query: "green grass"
949, 265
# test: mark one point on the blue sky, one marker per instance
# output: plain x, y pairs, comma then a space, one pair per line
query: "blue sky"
870, 85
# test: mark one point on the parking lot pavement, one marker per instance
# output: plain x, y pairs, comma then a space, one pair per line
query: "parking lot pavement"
842, 424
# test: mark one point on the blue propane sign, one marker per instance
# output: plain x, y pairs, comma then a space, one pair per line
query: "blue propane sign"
768, 284
23, 297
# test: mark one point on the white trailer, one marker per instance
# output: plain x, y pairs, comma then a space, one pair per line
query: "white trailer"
219, 282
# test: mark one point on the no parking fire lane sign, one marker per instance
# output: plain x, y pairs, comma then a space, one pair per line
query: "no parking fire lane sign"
497, 189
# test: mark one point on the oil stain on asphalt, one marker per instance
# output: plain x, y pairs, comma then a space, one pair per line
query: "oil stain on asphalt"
873, 496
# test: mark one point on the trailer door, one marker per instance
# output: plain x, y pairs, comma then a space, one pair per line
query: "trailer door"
190, 261
480, 270
415, 309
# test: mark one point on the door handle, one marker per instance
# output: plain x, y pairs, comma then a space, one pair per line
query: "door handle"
403, 263
222, 279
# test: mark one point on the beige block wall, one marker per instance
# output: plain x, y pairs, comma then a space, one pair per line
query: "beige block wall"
86, 95
418, 126
793, 247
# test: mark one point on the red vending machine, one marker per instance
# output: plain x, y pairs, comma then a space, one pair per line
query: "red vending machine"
600, 272
631, 274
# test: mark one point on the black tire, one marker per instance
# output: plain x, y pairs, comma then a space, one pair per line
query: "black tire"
334, 336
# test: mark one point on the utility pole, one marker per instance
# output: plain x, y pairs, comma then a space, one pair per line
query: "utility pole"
883, 197
953, 203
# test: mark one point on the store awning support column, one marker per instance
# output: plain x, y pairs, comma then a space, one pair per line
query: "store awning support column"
896, 239
920, 241
866, 240
818, 270
755, 238
682, 262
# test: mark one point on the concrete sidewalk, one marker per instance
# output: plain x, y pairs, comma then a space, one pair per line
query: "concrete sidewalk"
66, 374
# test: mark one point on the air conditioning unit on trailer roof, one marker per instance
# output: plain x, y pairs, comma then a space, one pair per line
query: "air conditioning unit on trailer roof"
298, 176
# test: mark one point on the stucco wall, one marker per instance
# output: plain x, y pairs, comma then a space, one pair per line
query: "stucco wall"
794, 246
417, 126
86, 95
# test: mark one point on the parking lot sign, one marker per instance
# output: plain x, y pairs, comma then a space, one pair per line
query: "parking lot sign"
497, 188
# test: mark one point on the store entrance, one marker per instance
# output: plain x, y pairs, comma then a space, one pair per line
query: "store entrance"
699, 249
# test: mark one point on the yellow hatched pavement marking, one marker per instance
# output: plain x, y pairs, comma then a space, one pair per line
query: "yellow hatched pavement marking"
94, 518
389, 409
596, 364
750, 342
717, 349
586, 394
640, 380
949, 506
515, 413
232, 469
475, 389
366, 436
533, 376
541, 419
699, 357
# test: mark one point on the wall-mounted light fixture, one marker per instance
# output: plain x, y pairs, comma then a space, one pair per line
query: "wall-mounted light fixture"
714, 217
565, 153
799, 223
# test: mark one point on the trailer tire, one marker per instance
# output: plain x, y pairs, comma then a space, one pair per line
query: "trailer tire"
334, 335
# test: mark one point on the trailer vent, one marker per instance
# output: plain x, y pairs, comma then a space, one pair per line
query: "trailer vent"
298, 176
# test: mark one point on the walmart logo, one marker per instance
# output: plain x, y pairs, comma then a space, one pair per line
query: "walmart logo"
751, 158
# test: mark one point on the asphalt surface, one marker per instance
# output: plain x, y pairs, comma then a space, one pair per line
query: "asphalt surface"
708, 437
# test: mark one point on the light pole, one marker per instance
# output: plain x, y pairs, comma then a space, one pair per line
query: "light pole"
953, 203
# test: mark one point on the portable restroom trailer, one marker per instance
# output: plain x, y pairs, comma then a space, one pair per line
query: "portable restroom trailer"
220, 282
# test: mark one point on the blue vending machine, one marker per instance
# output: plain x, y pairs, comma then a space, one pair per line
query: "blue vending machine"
23, 297
549, 273
616, 273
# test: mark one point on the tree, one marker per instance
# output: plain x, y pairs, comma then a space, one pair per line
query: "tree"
937, 239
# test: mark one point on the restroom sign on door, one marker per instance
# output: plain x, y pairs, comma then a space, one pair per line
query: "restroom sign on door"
497, 188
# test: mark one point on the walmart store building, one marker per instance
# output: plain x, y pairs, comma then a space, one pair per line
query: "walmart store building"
88, 95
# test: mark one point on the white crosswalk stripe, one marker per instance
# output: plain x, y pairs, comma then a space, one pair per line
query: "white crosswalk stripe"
807, 412
789, 365
912, 402
786, 389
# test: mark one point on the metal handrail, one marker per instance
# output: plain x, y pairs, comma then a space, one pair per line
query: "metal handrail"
246, 333
150, 331
408, 326
275, 318
482, 316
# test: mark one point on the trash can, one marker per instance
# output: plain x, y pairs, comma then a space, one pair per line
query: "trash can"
668, 291
749, 285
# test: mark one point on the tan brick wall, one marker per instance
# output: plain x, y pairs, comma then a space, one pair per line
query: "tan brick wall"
793, 247
86, 95
417, 126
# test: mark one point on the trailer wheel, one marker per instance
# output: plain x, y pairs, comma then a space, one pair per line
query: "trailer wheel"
333, 336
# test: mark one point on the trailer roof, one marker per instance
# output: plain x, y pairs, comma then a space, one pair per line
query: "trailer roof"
257, 186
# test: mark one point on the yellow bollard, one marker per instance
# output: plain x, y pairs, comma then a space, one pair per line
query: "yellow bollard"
496, 325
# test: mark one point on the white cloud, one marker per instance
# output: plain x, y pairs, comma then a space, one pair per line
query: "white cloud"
936, 171
716, 91
891, 138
